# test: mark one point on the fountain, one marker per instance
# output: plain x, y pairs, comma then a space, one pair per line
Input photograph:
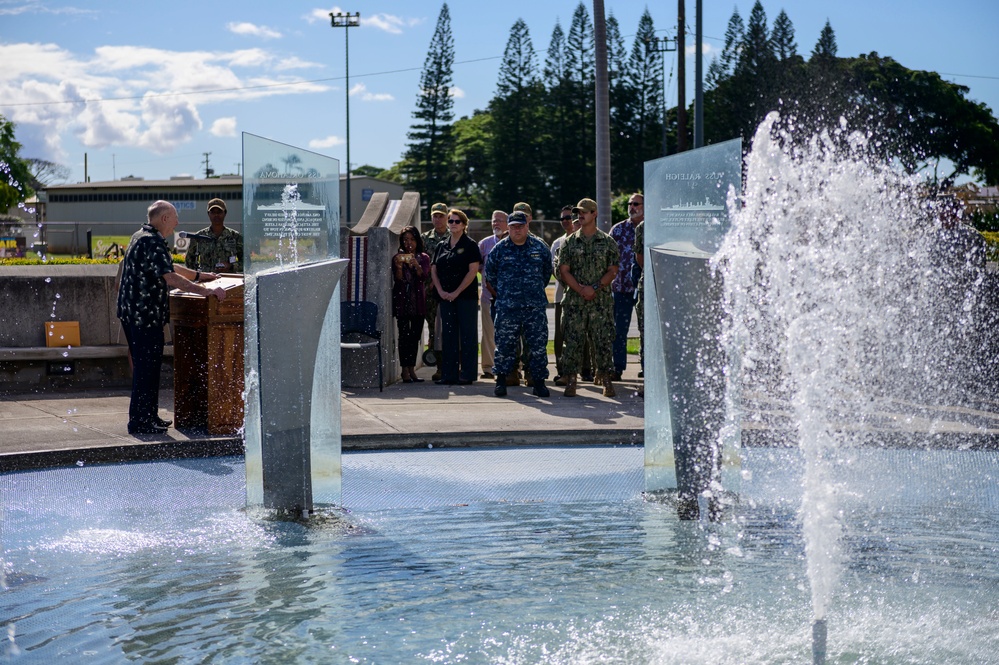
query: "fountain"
836, 302
551, 555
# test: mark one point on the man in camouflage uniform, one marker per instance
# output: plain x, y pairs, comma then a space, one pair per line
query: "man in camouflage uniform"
222, 254
587, 264
432, 238
517, 272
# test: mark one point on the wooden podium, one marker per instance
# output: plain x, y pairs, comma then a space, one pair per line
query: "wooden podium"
208, 358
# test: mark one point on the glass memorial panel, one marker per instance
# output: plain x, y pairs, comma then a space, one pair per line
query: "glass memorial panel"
685, 213
291, 218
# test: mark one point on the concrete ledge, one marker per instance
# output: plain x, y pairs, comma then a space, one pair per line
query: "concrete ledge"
495, 439
133, 452
14, 354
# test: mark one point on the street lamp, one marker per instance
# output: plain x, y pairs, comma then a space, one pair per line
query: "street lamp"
347, 21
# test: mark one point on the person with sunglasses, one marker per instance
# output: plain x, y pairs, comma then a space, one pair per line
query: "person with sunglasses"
623, 286
454, 272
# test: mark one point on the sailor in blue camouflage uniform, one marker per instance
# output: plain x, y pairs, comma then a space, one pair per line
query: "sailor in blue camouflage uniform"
517, 271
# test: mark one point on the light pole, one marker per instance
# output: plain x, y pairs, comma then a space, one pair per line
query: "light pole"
346, 21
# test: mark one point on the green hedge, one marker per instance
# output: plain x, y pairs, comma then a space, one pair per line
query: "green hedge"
992, 244
66, 261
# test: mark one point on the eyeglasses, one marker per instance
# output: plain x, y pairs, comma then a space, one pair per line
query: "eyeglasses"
635, 203
567, 218
455, 221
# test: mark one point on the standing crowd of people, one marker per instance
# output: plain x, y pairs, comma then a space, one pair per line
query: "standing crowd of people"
598, 286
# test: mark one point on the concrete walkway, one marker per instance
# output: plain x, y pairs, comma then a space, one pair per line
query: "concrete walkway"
63, 429
56, 429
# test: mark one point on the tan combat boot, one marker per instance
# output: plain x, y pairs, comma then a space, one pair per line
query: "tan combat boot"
570, 386
609, 387
513, 378
598, 377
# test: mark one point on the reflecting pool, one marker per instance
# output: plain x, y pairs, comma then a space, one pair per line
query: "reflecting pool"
528, 555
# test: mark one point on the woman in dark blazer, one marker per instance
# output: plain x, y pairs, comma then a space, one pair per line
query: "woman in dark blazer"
454, 272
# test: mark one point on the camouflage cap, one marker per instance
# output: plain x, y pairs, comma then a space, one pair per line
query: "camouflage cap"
517, 217
216, 203
438, 208
585, 205
523, 207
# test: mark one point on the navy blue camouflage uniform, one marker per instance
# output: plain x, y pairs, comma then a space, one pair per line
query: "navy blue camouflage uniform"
519, 274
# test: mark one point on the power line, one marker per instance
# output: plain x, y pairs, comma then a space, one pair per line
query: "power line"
238, 89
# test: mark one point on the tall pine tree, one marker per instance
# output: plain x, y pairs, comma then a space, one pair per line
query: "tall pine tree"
516, 116
580, 67
560, 112
645, 73
619, 96
430, 141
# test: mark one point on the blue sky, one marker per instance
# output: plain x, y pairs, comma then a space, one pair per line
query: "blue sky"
183, 78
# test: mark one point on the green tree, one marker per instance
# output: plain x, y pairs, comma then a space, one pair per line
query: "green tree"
516, 118
724, 66
645, 87
45, 172
826, 46
782, 37
368, 170
921, 121
619, 97
580, 67
429, 155
560, 113
14, 174
472, 167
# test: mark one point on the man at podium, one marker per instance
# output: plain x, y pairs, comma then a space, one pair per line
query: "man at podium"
148, 274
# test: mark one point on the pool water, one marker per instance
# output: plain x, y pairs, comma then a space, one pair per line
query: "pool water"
542, 555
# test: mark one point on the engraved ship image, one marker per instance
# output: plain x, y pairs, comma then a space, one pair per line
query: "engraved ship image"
706, 205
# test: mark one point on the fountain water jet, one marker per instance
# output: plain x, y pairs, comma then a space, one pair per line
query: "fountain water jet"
825, 310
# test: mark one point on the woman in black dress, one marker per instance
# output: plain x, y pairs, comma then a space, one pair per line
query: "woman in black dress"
410, 267
454, 272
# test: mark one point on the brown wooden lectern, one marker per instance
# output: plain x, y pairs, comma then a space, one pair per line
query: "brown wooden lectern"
208, 358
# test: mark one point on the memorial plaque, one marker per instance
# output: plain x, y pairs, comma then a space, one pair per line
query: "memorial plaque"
686, 218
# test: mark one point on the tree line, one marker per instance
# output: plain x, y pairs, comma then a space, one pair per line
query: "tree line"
535, 141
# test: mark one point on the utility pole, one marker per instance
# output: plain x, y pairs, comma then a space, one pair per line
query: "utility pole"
346, 21
662, 45
681, 75
699, 82
209, 172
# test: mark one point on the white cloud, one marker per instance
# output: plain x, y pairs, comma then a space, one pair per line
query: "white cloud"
132, 96
296, 63
457, 93
40, 8
253, 30
224, 127
328, 142
359, 89
706, 48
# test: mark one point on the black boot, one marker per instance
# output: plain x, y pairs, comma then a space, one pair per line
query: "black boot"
540, 389
500, 389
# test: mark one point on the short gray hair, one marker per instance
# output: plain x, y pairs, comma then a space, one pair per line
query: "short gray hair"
157, 209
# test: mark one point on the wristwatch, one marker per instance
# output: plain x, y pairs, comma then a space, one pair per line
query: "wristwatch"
597, 286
